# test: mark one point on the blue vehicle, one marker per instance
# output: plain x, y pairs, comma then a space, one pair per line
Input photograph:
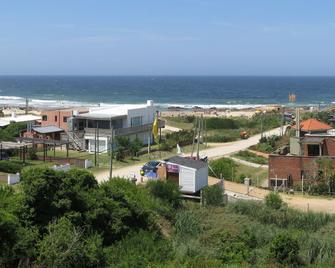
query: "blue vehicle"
151, 166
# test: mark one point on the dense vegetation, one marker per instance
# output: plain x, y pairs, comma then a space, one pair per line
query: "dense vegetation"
251, 157
12, 131
58, 219
232, 171
223, 129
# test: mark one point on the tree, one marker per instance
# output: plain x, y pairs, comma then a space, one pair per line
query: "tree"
48, 194
65, 245
326, 171
135, 147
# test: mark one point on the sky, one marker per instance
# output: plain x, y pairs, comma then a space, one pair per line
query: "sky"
167, 37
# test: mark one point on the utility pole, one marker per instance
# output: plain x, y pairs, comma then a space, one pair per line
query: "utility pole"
98, 141
195, 127
199, 137
95, 147
111, 153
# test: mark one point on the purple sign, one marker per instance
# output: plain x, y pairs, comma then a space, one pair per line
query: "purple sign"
172, 168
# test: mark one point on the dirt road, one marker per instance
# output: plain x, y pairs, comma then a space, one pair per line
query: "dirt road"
212, 153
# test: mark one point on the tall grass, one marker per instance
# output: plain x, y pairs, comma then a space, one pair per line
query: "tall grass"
283, 218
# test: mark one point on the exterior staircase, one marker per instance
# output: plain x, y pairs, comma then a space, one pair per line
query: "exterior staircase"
76, 141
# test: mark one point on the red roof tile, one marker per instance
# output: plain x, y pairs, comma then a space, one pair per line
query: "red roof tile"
312, 124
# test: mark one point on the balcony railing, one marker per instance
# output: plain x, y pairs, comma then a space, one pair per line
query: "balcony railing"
124, 131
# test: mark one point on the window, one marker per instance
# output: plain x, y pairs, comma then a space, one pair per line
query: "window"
136, 121
65, 119
44, 118
313, 150
55, 118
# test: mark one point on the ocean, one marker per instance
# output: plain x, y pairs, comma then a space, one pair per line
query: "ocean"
183, 91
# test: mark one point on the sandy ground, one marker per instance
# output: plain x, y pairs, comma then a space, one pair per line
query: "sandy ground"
304, 203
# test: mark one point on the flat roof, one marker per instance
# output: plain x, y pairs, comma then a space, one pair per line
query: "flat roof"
20, 118
112, 111
187, 162
47, 129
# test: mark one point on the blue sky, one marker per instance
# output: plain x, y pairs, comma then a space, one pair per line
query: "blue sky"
170, 37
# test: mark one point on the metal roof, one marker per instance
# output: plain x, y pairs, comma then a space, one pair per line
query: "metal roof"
47, 129
187, 162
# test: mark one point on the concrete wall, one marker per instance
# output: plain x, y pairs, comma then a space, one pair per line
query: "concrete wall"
147, 113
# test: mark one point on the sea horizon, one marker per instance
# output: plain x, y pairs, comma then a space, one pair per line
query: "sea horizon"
231, 92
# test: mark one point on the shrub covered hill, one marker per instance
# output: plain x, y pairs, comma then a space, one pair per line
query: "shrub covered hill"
57, 219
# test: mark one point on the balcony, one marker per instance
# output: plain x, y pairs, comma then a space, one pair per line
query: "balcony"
124, 131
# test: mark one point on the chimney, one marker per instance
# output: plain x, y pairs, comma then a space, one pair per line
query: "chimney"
150, 103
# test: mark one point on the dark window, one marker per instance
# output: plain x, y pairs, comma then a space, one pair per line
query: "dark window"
65, 119
136, 121
55, 118
313, 149
44, 118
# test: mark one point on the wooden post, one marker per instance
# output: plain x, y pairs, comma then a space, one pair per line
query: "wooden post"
24, 154
43, 152
1, 151
67, 150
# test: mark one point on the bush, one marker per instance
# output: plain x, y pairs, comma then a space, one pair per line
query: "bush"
273, 200
141, 249
167, 191
222, 123
285, 249
182, 137
212, 195
10, 166
224, 166
236, 248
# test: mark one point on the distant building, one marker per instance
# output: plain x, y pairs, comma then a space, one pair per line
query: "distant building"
14, 118
314, 140
133, 121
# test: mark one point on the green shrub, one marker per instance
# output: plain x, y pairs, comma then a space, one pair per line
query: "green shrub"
137, 250
222, 123
182, 137
273, 200
10, 166
212, 195
167, 191
285, 249
236, 248
224, 166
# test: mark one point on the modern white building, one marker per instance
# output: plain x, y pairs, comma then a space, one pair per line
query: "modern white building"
134, 121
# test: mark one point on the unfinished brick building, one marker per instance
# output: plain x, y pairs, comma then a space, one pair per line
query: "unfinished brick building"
314, 140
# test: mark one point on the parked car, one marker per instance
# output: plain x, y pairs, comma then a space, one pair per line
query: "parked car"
150, 166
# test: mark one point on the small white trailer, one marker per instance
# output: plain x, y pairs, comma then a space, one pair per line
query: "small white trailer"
192, 175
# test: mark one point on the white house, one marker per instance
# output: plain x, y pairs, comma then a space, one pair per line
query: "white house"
134, 121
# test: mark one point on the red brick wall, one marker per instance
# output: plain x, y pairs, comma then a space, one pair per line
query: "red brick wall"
51, 118
281, 166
